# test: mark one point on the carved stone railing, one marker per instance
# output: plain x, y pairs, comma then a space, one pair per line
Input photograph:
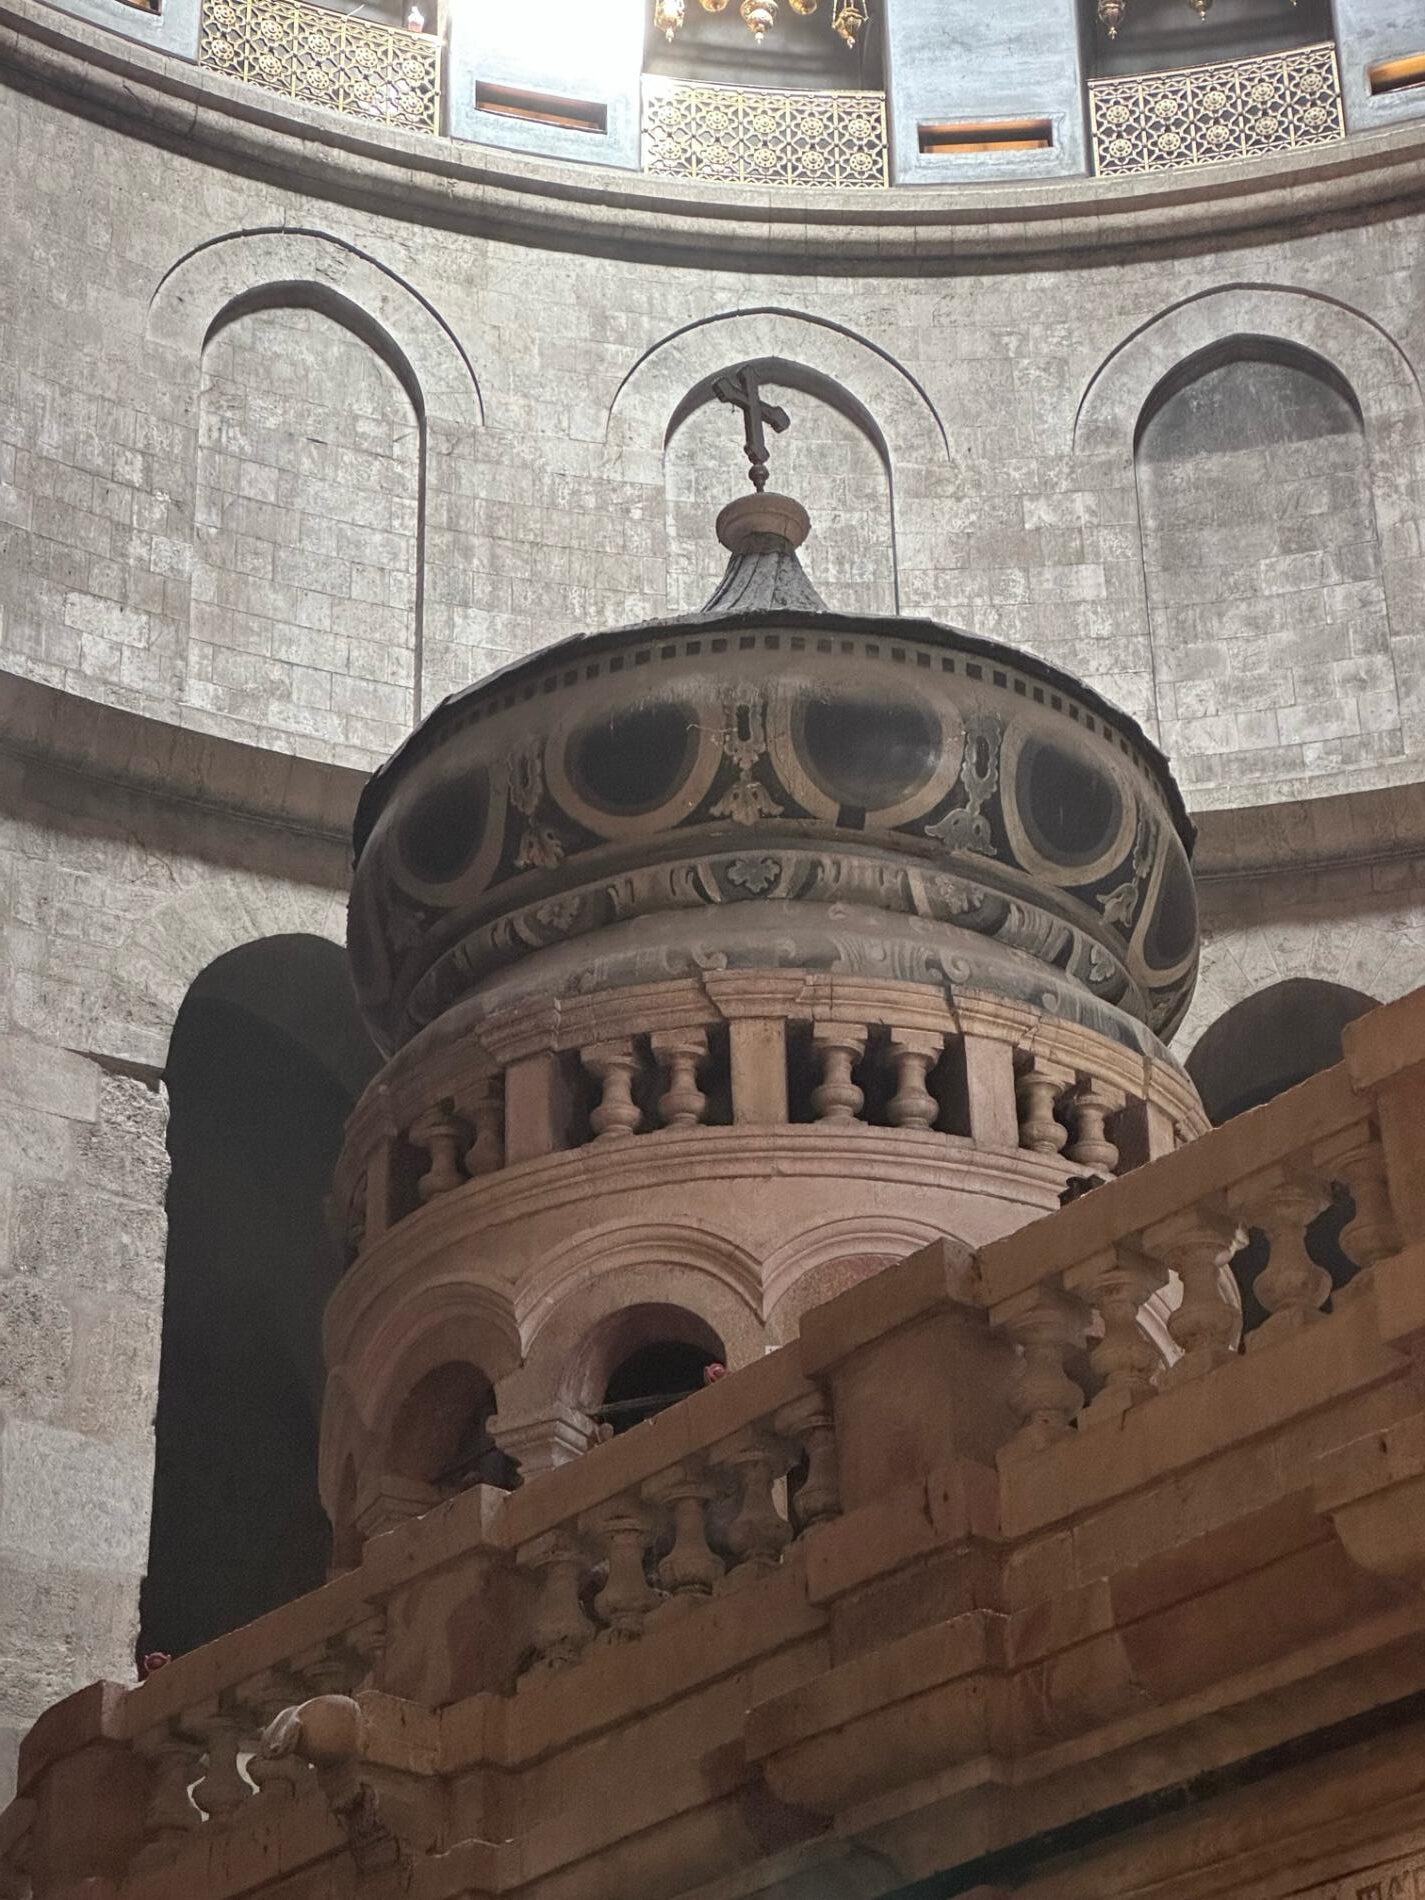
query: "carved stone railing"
737, 135
1207, 115
1076, 1298
464, 1103
326, 58
884, 1585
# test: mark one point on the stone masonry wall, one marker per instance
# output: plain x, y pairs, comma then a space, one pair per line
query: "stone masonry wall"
1006, 407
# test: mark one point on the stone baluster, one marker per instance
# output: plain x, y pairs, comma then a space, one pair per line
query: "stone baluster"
222, 1788
1046, 1324
614, 1065
680, 1053
1117, 1284
276, 1777
1283, 1201
840, 1047
807, 1424
915, 1053
1037, 1089
175, 1763
622, 1526
758, 1533
1087, 1108
1356, 1159
324, 1669
1197, 1246
484, 1110
442, 1137
691, 1570
560, 1630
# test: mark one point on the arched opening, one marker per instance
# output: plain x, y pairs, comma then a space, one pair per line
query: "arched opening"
833, 458
651, 1379
267, 1056
1258, 1049
440, 1435
1270, 1042
1266, 605
639, 1361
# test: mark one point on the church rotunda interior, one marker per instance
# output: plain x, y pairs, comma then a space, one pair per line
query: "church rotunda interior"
656, 655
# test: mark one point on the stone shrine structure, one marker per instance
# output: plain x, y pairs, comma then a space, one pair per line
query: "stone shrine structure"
348, 358
813, 937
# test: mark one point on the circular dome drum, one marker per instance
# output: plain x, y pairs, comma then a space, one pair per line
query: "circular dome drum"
795, 786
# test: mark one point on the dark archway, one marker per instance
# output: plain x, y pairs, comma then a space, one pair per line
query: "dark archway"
267, 1057
1270, 1042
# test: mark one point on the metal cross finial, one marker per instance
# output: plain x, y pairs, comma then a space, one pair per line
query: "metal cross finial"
740, 388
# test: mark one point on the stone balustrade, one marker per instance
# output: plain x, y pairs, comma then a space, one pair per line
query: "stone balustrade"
471, 1100
1078, 1299
927, 1531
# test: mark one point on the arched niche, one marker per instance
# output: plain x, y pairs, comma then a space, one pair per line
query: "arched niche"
872, 490
360, 529
1265, 594
650, 1351
834, 458
1270, 1042
265, 1060
309, 528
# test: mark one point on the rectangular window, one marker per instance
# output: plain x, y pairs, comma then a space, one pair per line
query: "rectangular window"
1397, 75
542, 108
986, 135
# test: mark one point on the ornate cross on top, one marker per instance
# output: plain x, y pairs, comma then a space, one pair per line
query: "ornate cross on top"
740, 388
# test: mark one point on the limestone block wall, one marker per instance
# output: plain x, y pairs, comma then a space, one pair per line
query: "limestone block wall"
299, 433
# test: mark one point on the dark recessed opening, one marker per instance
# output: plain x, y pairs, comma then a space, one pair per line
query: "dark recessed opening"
986, 135
651, 1379
1397, 75
542, 108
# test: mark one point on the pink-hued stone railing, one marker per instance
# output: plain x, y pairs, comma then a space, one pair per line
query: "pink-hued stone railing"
469, 1100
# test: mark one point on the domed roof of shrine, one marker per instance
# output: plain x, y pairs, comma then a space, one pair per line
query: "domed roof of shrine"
769, 781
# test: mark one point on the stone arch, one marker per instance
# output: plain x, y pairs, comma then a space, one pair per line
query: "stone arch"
879, 403
1259, 425
572, 1281
1272, 1040
1383, 379
443, 1322
307, 625
1377, 953
194, 293
818, 1265
167, 950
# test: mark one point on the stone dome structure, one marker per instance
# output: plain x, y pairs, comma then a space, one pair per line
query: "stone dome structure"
737, 918
344, 368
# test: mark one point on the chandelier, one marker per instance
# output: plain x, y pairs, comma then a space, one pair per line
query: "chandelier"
1111, 12
848, 17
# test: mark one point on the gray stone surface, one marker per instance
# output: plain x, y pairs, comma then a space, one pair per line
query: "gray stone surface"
1018, 59
589, 54
180, 719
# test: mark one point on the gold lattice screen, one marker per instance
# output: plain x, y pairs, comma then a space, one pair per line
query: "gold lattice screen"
1205, 115
375, 72
735, 136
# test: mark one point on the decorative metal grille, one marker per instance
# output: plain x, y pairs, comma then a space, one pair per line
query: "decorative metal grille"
731, 136
328, 59
1205, 115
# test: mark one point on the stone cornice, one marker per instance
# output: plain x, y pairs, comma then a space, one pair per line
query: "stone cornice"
917, 229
